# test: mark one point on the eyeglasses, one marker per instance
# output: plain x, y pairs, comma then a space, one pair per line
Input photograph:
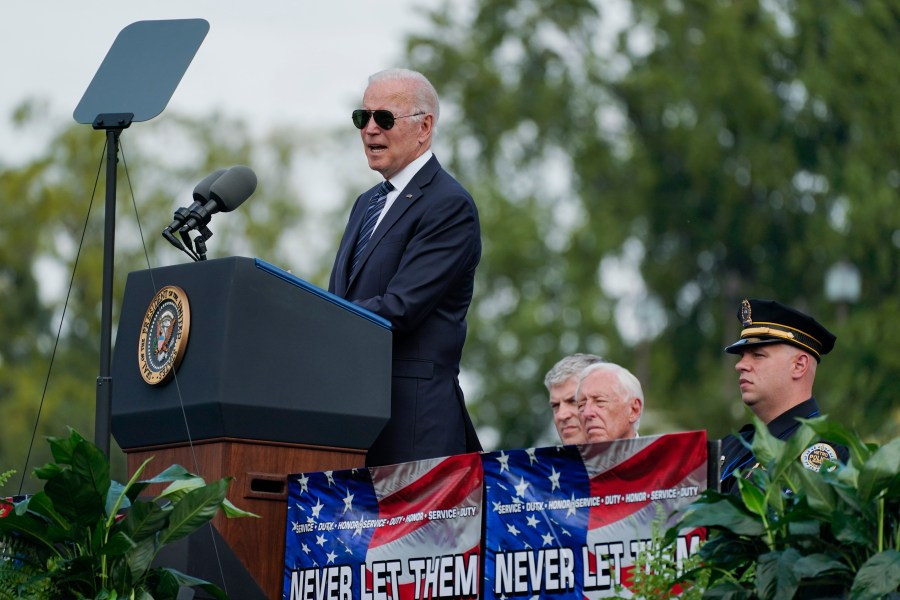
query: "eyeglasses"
383, 118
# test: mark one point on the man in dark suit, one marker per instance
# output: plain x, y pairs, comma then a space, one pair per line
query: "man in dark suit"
416, 269
780, 349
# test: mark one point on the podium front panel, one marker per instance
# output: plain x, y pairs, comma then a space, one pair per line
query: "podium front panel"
269, 357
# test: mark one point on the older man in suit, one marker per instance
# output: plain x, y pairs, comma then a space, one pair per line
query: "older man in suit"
610, 402
409, 253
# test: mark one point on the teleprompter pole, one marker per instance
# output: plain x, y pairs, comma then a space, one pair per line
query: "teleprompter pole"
113, 124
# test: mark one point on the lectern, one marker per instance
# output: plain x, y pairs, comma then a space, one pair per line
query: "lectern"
272, 376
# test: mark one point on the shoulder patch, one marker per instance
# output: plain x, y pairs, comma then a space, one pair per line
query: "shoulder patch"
813, 457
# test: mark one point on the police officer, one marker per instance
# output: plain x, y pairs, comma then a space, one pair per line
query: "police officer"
780, 349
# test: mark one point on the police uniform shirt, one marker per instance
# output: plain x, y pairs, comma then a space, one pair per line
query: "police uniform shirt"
736, 456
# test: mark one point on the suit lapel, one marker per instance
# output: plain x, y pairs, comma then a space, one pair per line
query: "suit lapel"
408, 195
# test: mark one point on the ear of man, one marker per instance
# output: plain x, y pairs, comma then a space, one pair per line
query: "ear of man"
801, 364
635, 412
426, 127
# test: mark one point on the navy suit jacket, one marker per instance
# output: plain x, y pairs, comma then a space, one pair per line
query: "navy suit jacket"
418, 272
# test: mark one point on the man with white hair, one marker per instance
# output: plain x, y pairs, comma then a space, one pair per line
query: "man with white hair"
409, 254
610, 402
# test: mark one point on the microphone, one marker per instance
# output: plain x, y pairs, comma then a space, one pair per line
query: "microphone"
201, 197
226, 193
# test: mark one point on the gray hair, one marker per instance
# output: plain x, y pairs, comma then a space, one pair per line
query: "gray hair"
569, 366
627, 385
425, 98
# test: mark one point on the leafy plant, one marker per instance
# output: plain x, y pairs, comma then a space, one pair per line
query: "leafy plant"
86, 536
793, 532
22, 572
659, 574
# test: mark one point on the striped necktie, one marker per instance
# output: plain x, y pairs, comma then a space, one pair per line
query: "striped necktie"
376, 205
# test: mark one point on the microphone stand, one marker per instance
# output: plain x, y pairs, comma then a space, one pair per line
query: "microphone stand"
167, 233
200, 242
201, 217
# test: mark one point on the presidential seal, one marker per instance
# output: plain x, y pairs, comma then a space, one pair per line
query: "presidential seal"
164, 335
813, 457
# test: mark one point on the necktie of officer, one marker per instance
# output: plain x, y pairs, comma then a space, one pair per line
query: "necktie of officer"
376, 205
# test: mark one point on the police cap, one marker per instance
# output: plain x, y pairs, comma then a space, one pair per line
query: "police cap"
770, 322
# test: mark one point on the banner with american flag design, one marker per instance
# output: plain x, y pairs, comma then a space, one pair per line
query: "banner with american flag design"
558, 522
568, 521
399, 532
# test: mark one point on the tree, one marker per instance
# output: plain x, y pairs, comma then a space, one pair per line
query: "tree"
635, 182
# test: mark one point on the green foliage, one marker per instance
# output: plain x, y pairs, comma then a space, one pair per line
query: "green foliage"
642, 167
657, 572
87, 536
22, 572
793, 532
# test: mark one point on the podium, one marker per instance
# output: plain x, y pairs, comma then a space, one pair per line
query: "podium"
276, 376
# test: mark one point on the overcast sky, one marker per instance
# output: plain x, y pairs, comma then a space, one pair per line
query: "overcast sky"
269, 61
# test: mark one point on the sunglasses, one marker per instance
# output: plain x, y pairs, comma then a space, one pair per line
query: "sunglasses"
383, 118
